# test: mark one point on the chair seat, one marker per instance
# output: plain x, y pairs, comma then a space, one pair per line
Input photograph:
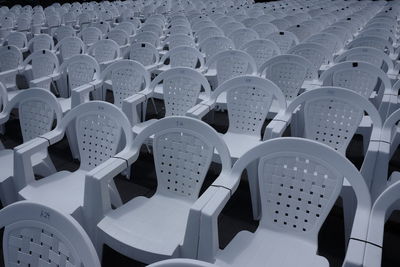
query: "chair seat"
268, 248
12, 94
239, 144
146, 229
63, 191
65, 104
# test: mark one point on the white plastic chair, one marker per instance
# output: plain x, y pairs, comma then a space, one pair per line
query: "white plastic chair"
41, 42
228, 64
103, 26
281, 23
40, 68
63, 32
284, 40
328, 40
229, 27
373, 56
301, 31
62, 241
128, 27
248, 100
208, 32
264, 29
375, 42
214, 45
153, 28
90, 35
11, 61
181, 263
99, 128
69, 47
147, 37
146, 54
241, 36
300, 181
105, 52
261, 50
183, 149
182, 56
17, 39
37, 109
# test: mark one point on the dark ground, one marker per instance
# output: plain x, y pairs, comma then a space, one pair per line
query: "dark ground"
237, 214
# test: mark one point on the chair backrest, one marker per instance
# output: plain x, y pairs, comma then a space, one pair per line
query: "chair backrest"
29, 226
261, 50
229, 27
79, 70
11, 57
281, 24
327, 40
249, 99
284, 40
176, 40
37, 109
154, 28
221, 21
119, 36
147, 37
184, 56
128, 77
375, 42
41, 42
64, 32
103, 26
208, 32
181, 89
264, 29
288, 72
232, 63
360, 77
90, 35
127, 26
145, 53
181, 263
104, 50
17, 39
69, 47
301, 31
179, 142
370, 55
242, 36
214, 45
313, 52
44, 63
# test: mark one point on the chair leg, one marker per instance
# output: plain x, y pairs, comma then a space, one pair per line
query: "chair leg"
8, 194
45, 167
252, 176
73, 145
115, 198
349, 210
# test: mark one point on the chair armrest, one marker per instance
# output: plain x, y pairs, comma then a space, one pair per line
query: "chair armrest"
354, 254
388, 105
96, 197
81, 94
199, 111
209, 241
275, 129
37, 82
131, 104
23, 167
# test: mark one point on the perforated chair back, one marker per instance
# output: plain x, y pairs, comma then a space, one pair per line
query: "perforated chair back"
284, 40
176, 40
242, 36
104, 50
313, 52
41, 42
128, 77
145, 53
288, 72
69, 47
229, 27
90, 35
232, 63
11, 58
119, 36
264, 29
214, 45
63, 32
184, 56
147, 37
181, 89
62, 241
208, 32
17, 39
261, 50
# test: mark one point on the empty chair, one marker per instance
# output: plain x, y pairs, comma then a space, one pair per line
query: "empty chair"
28, 225
249, 22
281, 24
229, 27
328, 40
373, 56
264, 29
179, 30
181, 263
248, 100
208, 32
284, 40
242, 36
375, 42
11, 61
221, 21
37, 109
41, 42
261, 50
146, 54
182, 56
176, 40
147, 37
17, 39
124, 78
301, 31
153, 28
63, 32
40, 68
105, 52
90, 35
69, 47
103, 26
214, 45
128, 27
289, 170
177, 140
99, 128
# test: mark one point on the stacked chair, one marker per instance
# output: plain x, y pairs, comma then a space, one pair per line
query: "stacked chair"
298, 79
